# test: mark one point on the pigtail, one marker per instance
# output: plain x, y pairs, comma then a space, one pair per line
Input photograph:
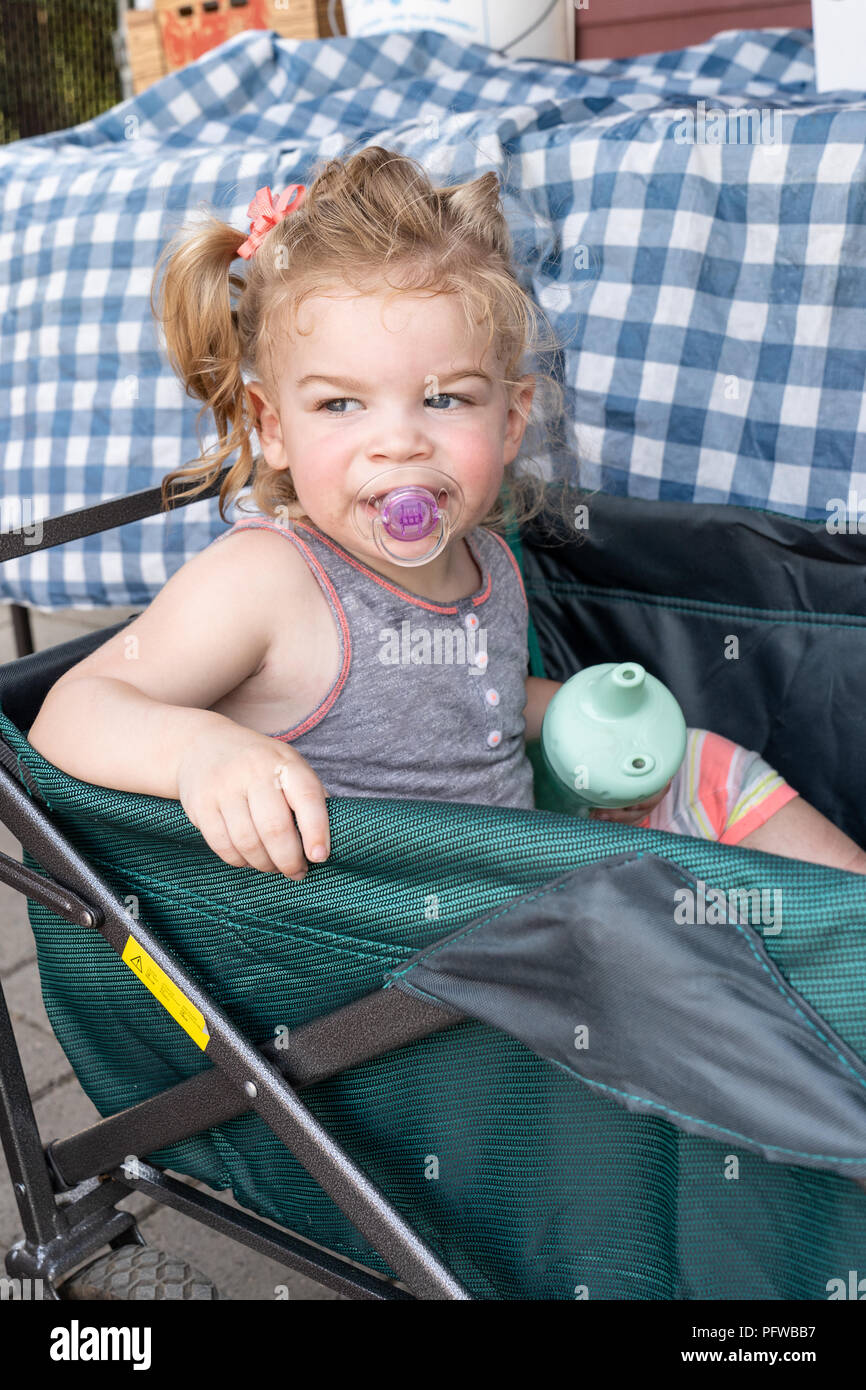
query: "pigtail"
477, 208
193, 304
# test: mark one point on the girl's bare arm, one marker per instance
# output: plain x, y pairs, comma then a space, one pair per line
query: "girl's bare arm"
124, 715
539, 693
134, 714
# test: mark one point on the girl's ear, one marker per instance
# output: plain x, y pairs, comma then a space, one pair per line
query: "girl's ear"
518, 416
257, 400
268, 426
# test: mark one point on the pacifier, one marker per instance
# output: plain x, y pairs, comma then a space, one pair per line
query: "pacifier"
398, 516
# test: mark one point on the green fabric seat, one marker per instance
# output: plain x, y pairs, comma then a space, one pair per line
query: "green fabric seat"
527, 1183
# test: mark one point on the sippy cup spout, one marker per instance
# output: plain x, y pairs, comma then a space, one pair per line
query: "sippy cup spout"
619, 692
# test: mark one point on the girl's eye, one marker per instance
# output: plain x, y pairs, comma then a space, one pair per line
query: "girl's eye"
346, 400
341, 400
446, 397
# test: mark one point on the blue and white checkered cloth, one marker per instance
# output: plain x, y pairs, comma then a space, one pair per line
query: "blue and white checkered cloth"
706, 275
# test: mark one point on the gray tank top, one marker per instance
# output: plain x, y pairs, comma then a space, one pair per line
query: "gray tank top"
428, 702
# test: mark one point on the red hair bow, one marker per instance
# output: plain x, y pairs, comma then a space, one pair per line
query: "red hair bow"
265, 214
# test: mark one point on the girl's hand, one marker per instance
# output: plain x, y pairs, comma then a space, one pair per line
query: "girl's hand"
630, 815
239, 789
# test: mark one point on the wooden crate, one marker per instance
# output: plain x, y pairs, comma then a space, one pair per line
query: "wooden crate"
176, 32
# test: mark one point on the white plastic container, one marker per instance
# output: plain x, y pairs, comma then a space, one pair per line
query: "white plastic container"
518, 28
839, 28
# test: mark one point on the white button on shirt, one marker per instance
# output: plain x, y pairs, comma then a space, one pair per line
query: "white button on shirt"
494, 737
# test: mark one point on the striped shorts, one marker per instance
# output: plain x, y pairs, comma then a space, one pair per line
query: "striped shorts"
721, 792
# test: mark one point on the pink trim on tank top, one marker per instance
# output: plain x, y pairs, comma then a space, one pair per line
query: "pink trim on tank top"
507, 548
401, 593
318, 714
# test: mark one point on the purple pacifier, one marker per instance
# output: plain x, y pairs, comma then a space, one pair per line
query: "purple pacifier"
408, 512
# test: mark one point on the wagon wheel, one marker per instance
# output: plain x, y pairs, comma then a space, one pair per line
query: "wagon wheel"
138, 1272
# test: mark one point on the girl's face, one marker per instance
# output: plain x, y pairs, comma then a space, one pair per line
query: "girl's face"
370, 383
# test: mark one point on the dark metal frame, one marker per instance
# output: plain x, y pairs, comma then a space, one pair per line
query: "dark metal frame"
67, 1192
22, 629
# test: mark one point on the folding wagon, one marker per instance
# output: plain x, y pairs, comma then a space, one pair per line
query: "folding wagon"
481, 1052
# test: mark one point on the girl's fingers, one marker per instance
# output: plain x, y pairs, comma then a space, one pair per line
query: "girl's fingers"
273, 820
305, 795
212, 828
257, 830
244, 836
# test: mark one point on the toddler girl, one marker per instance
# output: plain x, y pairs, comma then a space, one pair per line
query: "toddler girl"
364, 632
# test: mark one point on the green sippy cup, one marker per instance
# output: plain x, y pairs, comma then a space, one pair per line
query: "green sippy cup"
612, 735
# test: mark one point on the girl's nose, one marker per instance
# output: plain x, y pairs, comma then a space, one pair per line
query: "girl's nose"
396, 452
400, 440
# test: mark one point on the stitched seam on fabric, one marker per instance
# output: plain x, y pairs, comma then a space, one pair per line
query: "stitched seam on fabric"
701, 606
509, 907
708, 1124
337, 950
783, 990
297, 929
818, 522
675, 868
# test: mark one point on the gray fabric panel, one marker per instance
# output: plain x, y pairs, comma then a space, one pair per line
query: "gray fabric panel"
692, 1022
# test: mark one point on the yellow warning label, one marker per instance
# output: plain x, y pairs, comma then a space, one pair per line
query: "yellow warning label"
168, 994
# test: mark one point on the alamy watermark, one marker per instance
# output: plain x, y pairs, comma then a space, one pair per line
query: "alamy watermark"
846, 516
704, 906
743, 125
77, 1343
439, 646
16, 518
21, 1290
850, 1287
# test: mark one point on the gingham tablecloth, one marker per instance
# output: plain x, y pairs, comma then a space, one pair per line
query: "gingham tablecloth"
710, 297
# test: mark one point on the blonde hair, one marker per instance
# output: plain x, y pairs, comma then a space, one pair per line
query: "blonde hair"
361, 217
